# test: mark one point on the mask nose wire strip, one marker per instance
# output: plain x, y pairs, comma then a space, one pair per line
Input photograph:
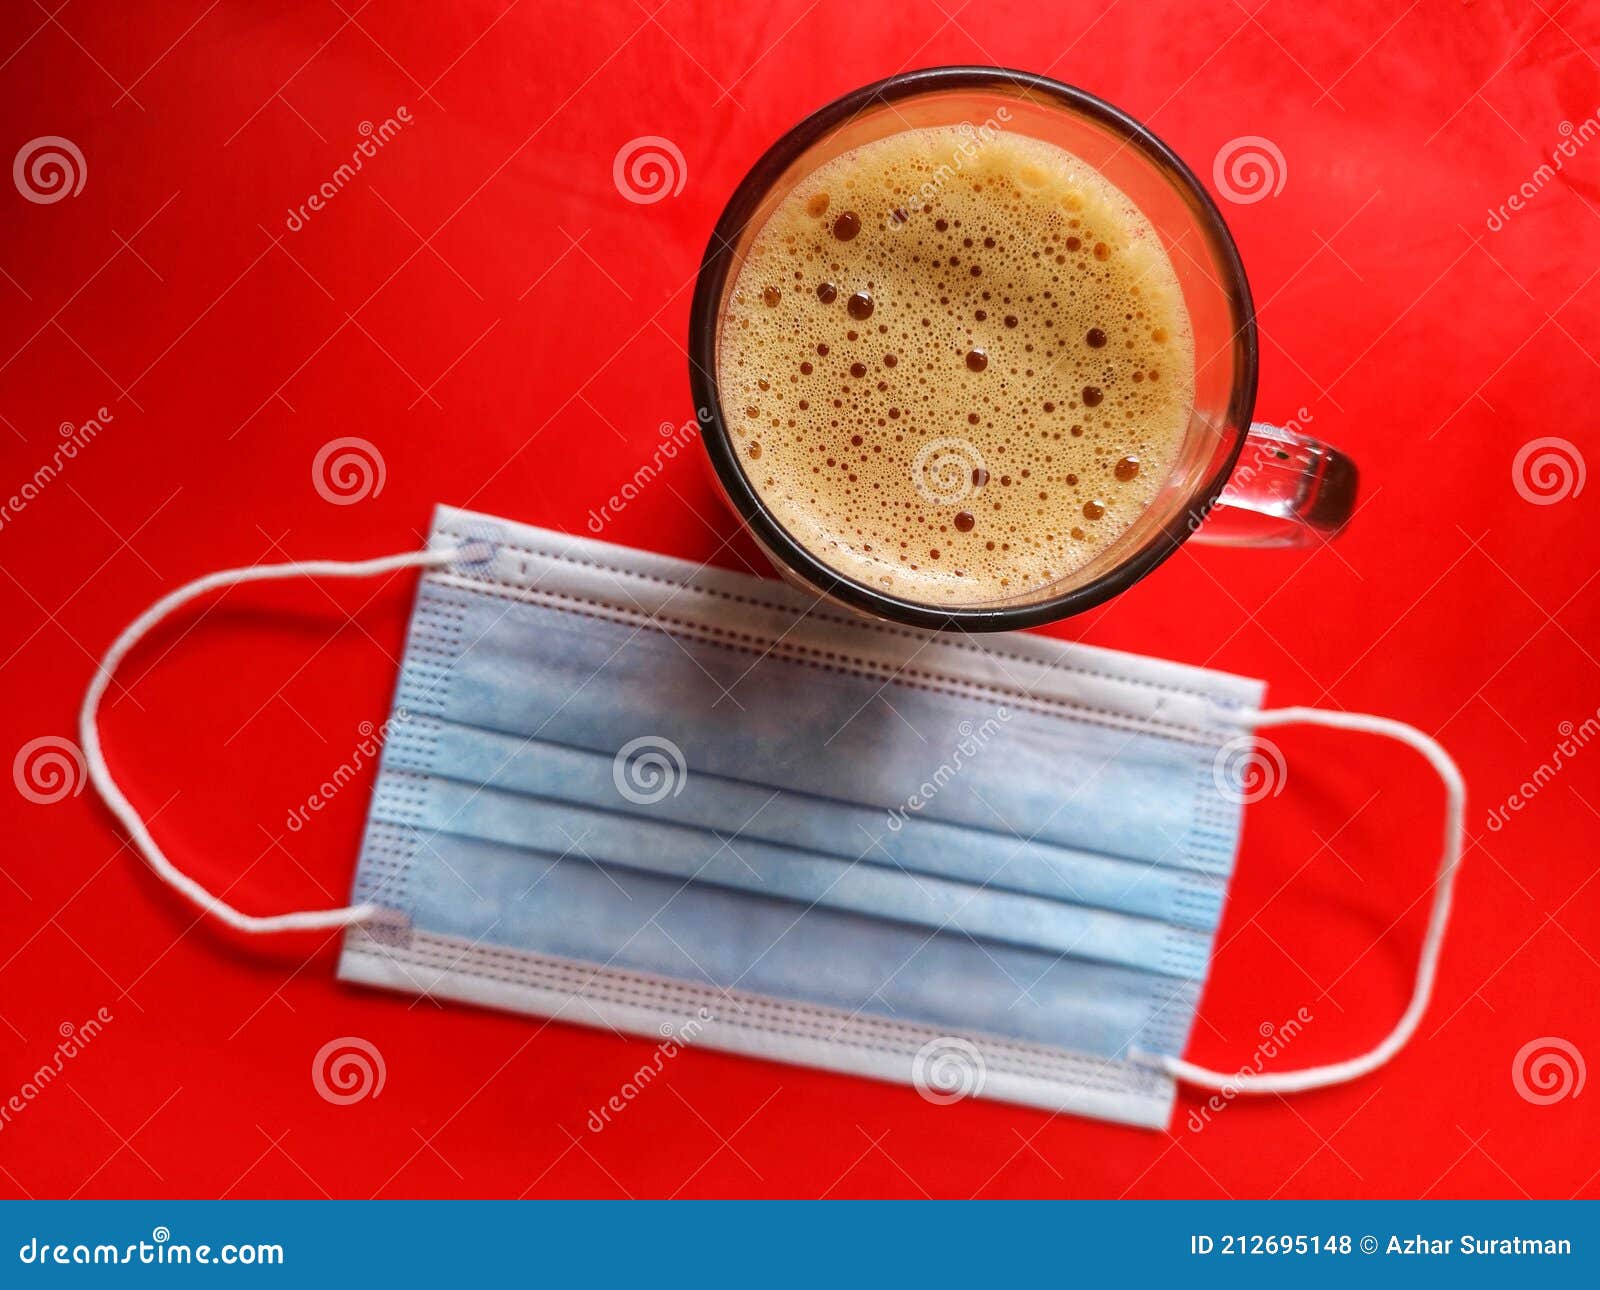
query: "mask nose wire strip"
100, 774
1294, 1081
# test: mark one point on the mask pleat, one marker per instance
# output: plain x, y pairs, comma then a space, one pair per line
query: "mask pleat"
910, 843
745, 716
693, 855
489, 893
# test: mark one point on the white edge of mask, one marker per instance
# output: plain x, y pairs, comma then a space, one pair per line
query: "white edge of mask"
751, 1025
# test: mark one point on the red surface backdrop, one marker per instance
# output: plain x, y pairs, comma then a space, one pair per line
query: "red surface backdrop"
483, 305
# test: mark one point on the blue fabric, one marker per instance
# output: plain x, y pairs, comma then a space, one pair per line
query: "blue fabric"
801, 826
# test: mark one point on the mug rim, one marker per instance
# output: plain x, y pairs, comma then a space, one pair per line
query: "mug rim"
705, 311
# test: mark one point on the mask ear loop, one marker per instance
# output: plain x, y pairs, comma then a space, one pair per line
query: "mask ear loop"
100, 774
1294, 1081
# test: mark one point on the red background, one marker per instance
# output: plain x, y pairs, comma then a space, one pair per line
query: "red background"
483, 304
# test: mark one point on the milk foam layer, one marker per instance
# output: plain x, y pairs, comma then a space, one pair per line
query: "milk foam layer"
956, 368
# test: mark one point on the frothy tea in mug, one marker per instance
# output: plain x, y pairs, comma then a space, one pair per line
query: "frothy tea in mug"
956, 372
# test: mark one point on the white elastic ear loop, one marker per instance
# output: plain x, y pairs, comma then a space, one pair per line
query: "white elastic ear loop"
100, 775
1455, 789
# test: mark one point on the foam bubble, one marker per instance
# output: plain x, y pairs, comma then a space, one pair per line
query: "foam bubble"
947, 355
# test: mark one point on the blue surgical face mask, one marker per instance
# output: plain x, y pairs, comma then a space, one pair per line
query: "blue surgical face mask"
624, 791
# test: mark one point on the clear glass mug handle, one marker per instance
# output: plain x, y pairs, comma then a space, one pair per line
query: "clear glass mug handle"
1287, 489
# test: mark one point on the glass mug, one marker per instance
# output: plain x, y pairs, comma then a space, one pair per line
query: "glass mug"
1248, 484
